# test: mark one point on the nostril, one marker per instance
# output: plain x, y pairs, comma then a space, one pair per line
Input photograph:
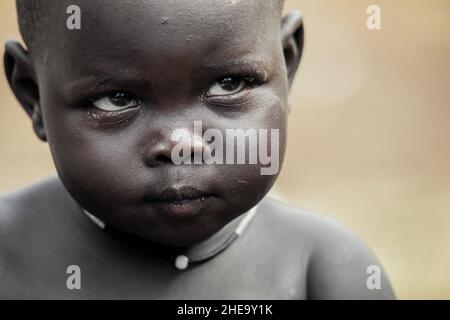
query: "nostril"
188, 150
158, 154
163, 159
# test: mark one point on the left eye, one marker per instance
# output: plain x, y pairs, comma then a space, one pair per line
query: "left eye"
116, 102
227, 86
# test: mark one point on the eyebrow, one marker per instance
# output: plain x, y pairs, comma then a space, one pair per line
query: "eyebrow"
258, 66
93, 84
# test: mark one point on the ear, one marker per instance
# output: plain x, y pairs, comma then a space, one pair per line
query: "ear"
292, 41
22, 80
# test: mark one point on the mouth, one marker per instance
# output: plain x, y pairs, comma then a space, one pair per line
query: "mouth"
182, 201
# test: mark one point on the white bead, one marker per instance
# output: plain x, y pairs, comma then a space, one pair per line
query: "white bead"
181, 262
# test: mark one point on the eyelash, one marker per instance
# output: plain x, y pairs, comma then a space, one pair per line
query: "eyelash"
92, 99
251, 82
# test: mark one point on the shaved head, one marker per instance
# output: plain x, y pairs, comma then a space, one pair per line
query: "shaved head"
33, 16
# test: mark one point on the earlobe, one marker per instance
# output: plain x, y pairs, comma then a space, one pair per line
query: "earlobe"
38, 123
22, 80
292, 41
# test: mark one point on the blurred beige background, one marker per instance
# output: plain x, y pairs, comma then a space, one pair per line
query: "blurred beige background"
368, 132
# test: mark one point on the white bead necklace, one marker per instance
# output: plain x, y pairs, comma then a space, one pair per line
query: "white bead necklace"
182, 261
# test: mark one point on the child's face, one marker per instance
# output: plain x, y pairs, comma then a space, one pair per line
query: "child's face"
153, 67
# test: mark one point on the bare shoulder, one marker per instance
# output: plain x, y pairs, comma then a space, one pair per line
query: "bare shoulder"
340, 265
25, 212
30, 204
26, 217
39, 238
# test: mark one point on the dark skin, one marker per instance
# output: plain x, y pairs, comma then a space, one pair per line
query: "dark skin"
163, 68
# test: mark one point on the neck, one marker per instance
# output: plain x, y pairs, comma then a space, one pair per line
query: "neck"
199, 252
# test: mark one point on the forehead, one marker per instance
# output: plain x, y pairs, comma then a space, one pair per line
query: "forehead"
163, 29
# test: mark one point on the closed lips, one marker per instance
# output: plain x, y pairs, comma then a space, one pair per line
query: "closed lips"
179, 196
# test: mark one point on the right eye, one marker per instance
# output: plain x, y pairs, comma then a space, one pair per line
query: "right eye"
116, 102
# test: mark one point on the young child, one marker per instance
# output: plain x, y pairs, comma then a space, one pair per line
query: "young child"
122, 220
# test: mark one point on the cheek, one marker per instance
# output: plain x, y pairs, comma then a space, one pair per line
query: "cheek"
267, 111
245, 183
96, 167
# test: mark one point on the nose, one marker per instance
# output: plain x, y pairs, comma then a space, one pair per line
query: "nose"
182, 148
